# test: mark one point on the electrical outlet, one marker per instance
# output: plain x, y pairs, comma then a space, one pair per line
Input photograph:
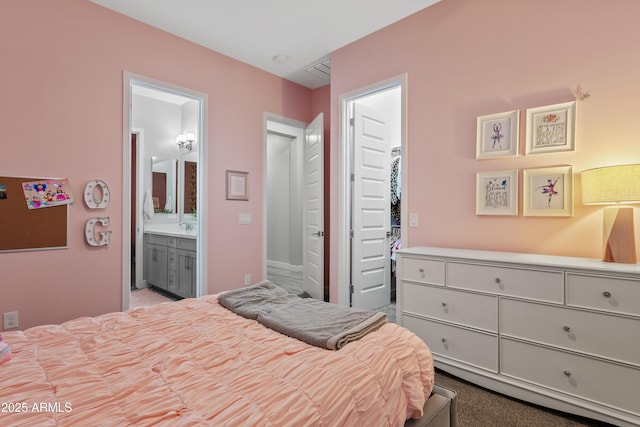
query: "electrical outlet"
247, 279
11, 320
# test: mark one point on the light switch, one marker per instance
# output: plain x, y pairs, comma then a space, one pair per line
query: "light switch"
413, 219
244, 218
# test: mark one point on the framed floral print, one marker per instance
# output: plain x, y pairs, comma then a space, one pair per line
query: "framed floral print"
551, 128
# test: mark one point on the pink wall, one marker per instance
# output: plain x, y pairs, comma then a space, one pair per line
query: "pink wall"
61, 116
62, 94
468, 58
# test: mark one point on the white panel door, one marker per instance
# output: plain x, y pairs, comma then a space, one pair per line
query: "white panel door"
371, 210
313, 226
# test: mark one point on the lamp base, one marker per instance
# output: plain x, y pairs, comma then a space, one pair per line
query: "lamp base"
619, 240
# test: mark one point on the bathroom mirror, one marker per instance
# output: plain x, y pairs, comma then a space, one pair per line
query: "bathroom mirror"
188, 188
164, 185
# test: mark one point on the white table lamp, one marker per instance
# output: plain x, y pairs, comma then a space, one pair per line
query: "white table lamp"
615, 185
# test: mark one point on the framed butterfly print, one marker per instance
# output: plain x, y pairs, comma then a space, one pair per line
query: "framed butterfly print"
551, 128
497, 193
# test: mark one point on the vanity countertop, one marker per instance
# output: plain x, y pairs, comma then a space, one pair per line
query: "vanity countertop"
172, 230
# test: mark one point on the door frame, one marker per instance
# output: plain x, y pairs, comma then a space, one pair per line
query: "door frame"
128, 79
139, 278
345, 162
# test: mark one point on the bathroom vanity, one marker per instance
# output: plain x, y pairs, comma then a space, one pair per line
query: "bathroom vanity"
170, 259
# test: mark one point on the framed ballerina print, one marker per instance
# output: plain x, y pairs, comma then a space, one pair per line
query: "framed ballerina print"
497, 135
548, 191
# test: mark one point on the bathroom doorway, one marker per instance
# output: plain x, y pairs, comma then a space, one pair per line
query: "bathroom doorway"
157, 116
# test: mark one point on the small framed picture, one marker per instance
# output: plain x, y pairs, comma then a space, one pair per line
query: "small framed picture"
497, 193
551, 128
237, 185
497, 135
548, 191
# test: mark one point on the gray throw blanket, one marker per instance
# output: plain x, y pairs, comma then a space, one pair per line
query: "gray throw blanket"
315, 322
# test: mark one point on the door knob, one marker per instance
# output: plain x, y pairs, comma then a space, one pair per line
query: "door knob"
318, 233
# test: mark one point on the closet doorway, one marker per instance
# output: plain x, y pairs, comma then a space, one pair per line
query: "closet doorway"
372, 200
294, 205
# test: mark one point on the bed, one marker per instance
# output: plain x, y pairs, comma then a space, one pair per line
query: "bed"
195, 363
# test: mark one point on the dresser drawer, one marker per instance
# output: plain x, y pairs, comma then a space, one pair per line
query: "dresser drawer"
156, 239
595, 333
518, 282
615, 294
475, 310
422, 270
187, 244
608, 383
463, 345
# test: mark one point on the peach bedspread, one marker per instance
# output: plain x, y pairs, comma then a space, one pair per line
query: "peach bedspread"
195, 363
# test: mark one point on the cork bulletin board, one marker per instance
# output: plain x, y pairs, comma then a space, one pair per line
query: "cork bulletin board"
22, 228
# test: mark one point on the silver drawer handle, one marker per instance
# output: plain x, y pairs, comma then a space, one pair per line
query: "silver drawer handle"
444, 340
566, 328
606, 294
444, 304
567, 373
421, 271
498, 280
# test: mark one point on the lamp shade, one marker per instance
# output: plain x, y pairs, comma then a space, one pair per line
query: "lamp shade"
612, 184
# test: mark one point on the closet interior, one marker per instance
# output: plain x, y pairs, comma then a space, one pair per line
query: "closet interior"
396, 193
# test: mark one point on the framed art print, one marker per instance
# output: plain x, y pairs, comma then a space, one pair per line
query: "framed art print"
551, 128
548, 191
497, 135
237, 185
497, 193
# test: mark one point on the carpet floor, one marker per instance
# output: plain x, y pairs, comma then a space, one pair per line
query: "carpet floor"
479, 407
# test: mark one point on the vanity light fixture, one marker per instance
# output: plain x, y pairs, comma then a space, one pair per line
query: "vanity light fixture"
617, 186
185, 142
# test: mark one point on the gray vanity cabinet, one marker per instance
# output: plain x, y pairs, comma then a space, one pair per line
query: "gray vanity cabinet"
170, 264
155, 266
186, 268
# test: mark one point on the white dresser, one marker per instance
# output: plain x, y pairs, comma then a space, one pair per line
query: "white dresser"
560, 332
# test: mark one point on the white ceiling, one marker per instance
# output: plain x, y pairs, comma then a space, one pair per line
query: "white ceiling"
257, 31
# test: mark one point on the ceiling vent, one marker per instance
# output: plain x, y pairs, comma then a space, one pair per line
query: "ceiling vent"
321, 69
